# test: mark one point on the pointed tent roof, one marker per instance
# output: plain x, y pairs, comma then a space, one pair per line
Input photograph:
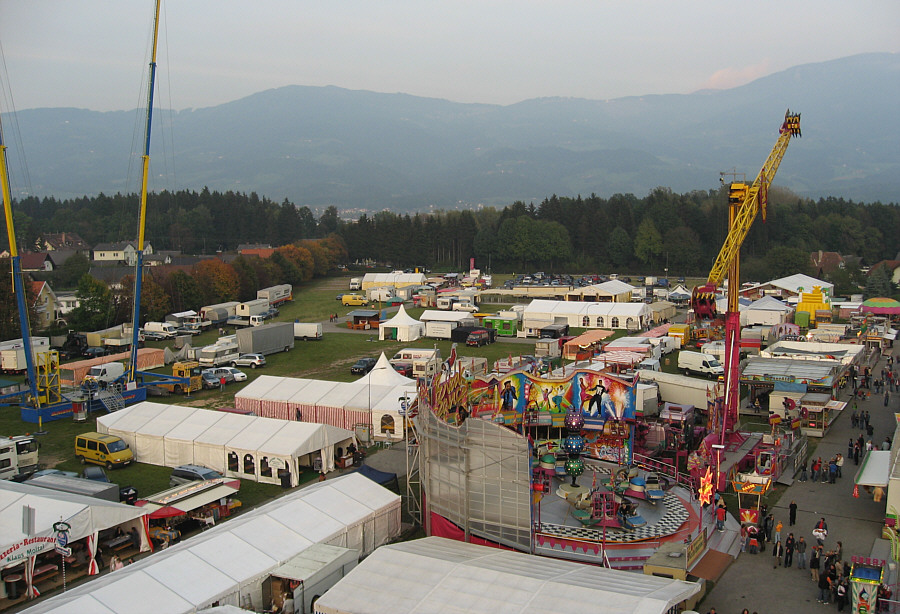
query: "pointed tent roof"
383, 374
680, 290
402, 319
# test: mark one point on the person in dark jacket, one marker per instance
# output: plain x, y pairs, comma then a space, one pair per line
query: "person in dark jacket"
789, 545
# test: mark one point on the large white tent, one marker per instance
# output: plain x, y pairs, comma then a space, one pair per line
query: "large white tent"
86, 516
460, 577
248, 447
402, 327
228, 564
541, 312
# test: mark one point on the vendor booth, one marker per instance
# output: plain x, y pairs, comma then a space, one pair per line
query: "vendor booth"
30, 558
205, 502
402, 327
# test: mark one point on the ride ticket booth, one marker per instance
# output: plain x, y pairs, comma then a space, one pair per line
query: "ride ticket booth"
817, 412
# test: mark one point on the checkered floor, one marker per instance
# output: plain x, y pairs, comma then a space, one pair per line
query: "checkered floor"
671, 520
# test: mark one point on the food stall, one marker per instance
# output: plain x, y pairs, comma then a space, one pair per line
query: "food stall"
204, 502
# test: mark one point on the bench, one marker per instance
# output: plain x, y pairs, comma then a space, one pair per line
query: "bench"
44, 571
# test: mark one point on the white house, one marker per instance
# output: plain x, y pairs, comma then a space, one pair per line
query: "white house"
121, 251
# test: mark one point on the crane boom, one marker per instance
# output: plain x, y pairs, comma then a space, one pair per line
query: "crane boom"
753, 201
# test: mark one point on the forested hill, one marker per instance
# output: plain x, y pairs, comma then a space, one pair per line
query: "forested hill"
366, 151
627, 233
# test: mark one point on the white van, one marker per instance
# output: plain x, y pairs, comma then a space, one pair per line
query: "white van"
107, 372
166, 329
411, 354
698, 362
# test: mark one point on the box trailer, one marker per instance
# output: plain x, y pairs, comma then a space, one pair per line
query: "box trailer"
439, 329
107, 491
256, 307
12, 353
222, 352
266, 339
276, 295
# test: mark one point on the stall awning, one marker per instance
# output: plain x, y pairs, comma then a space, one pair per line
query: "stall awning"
712, 565
875, 469
185, 499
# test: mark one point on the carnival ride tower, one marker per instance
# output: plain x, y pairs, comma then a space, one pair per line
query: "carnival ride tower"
744, 201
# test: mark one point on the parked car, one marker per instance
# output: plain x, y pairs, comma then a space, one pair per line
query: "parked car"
249, 360
127, 494
210, 380
403, 368
94, 352
220, 372
152, 335
184, 474
237, 374
353, 299
363, 366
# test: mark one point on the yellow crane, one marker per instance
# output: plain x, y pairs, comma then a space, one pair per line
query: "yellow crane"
744, 202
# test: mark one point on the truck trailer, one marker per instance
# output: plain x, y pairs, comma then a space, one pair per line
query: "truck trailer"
256, 307
266, 339
219, 313
276, 295
308, 330
12, 353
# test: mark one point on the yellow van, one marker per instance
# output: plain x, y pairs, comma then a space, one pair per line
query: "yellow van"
102, 449
353, 299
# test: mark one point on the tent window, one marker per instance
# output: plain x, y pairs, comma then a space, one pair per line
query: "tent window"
629, 322
599, 320
264, 468
249, 465
614, 322
585, 321
387, 424
232, 461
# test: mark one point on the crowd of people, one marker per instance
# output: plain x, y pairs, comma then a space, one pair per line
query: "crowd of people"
827, 566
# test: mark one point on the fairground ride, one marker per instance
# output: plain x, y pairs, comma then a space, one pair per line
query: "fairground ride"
744, 202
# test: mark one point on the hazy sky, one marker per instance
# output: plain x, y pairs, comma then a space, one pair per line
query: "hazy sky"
93, 53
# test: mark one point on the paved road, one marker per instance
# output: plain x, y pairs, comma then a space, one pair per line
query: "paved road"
751, 582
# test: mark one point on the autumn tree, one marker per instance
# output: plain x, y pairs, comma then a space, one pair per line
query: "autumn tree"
96, 307
217, 280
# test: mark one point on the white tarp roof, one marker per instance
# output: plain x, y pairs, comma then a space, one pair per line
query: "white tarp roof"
875, 469
438, 315
453, 576
229, 562
260, 386
205, 437
85, 515
565, 308
769, 303
402, 319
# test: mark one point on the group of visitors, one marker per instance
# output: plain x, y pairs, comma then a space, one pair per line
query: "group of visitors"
824, 472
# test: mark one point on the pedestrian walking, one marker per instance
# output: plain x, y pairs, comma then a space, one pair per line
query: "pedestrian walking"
789, 545
887, 397
816, 467
839, 461
803, 471
832, 470
842, 594
222, 383
720, 518
801, 553
792, 514
867, 418
850, 448
856, 453
778, 528
770, 524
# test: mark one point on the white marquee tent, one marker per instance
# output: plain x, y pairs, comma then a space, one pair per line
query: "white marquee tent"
402, 327
478, 579
233, 444
228, 564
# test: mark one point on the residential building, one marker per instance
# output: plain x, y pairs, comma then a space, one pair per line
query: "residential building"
52, 242
44, 303
120, 252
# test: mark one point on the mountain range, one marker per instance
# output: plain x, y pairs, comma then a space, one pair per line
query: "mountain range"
362, 150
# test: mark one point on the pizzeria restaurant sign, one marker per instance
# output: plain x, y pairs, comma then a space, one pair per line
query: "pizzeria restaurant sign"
29, 546
824, 381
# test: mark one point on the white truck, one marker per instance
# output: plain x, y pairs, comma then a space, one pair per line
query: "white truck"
18, 456
355, 283
700, 363
379, 294
251, 313
681, 389
308, 330
222, 352
166, 330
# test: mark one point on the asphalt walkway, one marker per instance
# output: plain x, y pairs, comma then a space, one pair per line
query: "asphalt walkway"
752, 582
